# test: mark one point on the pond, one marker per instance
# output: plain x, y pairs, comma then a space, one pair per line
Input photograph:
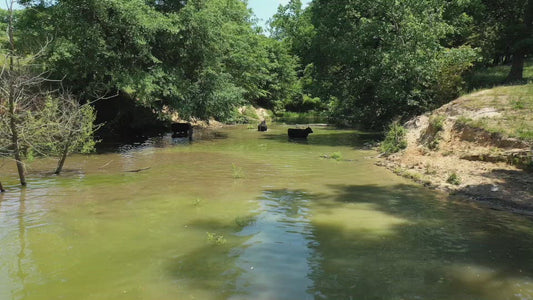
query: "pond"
241, 214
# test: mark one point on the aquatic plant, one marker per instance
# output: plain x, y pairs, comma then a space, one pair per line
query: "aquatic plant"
244, 221
215, 238
237, 171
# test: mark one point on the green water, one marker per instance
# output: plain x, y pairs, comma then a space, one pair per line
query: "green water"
240, 214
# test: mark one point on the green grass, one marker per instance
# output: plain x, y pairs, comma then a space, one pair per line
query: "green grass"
514, 103
495, 76
454, 179
395, 139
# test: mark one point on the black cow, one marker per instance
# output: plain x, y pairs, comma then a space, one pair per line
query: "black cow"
262, 126
299, 133
181, 130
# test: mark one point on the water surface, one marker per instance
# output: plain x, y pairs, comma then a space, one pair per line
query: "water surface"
240, 214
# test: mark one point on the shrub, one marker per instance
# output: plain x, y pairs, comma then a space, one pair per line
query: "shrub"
395, 139
436, 125
454, 179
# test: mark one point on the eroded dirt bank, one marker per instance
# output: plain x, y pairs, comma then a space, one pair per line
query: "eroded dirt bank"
446, 152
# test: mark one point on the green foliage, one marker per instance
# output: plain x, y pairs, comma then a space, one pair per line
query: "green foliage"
216, 239
237, 171
201, 58
382, 59
395, 139
244, 221
454, 179
432, 134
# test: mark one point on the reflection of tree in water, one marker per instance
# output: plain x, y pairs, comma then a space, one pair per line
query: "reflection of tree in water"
274, 261
22, 239
267, 259
18, 273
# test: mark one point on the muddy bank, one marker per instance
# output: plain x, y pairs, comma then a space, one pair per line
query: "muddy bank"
445, 153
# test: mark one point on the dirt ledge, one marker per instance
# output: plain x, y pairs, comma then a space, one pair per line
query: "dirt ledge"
487, 166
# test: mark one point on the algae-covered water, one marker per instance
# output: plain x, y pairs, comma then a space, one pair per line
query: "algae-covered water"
240, 214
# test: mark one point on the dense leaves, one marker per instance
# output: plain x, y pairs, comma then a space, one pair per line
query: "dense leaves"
364, 61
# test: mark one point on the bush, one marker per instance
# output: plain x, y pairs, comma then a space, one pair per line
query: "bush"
432, 134
454, 179
395, 139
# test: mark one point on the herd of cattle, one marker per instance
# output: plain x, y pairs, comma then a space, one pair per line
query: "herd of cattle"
185, 130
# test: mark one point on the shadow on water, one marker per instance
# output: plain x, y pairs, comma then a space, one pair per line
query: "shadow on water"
122, 144
369, 242
324, 136
443, 251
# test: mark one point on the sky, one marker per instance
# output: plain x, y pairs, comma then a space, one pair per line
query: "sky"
265, 9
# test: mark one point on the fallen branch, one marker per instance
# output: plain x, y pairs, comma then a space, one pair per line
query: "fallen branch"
138, 170
106, 164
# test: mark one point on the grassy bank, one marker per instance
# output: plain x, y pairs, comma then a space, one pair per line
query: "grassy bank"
495, 76
512, 108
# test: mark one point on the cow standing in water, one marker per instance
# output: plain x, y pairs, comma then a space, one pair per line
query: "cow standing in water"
262, 126
299, 133
181, 130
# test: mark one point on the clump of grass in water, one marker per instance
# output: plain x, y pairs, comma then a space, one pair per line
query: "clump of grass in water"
237, 172
335, 155
215, 238
244, 221
454, 179
197, 202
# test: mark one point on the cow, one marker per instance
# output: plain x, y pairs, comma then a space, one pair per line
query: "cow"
262, 126
1, 188
299, 133
181, 130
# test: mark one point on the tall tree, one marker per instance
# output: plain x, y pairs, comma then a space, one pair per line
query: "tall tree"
379, 59
26, 126
522, 42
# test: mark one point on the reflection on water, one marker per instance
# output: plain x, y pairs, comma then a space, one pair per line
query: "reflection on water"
274, 260
293, 226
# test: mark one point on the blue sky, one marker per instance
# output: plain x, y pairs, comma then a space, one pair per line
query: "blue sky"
264, 9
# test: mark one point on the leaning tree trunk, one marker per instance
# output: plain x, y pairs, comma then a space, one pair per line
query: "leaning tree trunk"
12, 105
64, 155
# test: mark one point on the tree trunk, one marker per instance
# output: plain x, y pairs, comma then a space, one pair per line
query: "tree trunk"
62, 159
1, 188
12, 106
519, 55
517, 67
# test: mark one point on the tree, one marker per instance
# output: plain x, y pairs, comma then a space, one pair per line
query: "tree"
34, 120
376, 60
522, 42
70, 127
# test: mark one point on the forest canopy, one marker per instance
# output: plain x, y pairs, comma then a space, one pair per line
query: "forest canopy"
363, 62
